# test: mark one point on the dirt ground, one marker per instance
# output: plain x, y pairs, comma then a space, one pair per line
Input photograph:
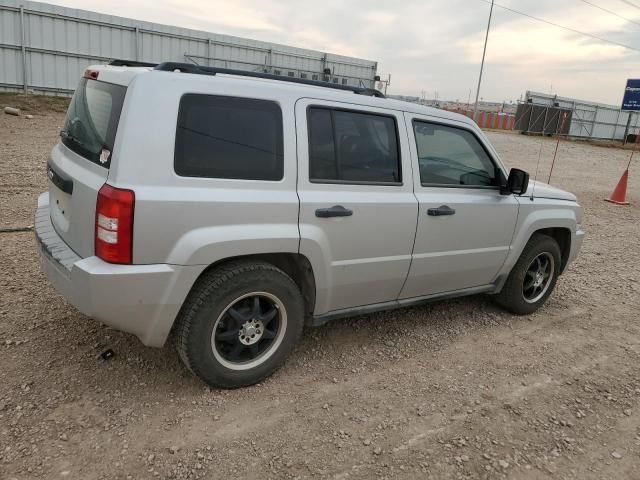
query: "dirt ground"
456, 389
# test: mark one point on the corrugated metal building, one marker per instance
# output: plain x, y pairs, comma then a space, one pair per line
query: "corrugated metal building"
588, 119
46, 47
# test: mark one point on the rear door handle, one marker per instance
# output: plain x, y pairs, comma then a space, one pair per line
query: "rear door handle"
335, 211
441, 210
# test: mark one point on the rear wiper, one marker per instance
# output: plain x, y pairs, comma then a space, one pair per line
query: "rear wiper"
67, 136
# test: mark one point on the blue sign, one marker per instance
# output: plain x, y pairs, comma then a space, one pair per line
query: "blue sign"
631, 99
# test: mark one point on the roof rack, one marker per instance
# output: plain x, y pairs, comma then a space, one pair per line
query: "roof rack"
130, 63
201, 70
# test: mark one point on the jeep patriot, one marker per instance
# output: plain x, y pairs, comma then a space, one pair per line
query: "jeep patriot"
230, 209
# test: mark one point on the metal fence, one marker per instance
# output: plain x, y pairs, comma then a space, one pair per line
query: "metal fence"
46, 47
586, 119
489, 120
544, 119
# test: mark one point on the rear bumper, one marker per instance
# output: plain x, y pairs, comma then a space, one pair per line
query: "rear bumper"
139, 299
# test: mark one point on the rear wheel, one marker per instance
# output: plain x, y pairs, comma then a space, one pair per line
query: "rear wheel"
533, 277
239, 324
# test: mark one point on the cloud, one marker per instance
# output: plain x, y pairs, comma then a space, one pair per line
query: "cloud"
230, 15
431, 45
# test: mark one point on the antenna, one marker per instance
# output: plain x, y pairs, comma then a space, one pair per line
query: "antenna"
537, 165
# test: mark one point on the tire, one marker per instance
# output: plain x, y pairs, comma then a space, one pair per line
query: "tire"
248, 346
513, 296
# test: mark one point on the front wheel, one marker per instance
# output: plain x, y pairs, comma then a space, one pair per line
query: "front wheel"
533, 277
239, 324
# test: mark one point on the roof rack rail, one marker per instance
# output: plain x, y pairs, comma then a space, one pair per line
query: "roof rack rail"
201, 70
130, 63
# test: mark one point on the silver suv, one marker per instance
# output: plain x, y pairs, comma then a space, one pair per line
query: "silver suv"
231, 211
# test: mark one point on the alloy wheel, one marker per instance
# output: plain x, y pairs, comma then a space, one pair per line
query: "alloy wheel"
249, 330
538, 277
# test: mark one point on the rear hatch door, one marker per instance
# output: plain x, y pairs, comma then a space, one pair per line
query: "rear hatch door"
79, 164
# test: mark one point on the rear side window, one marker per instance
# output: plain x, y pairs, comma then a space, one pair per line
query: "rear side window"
352, 147
92, 120
228, 137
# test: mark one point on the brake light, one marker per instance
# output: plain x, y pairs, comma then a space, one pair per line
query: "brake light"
91, 74
114, 224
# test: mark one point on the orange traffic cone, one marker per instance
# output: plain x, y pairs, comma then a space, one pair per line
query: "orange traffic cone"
619, 195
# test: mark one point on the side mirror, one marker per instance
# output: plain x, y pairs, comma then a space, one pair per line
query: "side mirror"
517, 183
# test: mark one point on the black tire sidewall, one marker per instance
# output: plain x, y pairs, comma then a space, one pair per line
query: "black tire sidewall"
199, 350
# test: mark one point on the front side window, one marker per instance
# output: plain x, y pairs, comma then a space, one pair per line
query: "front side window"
227, 137
352, 147
452, 156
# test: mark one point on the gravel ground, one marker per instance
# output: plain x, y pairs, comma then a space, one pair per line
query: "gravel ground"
456, 389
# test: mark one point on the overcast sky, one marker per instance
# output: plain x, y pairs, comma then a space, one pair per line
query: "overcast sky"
432, 45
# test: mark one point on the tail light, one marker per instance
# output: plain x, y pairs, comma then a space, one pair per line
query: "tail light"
91, 74
114, 224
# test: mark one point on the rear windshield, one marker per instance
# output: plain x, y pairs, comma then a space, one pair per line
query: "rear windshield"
92, 120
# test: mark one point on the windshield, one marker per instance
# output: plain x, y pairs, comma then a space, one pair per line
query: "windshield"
92, 119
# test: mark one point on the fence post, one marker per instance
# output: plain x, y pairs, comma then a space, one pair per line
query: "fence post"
626, 130
24, 50
324, 66
615, 127
137, 40
530, 119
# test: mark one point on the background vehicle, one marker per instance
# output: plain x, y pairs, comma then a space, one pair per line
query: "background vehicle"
234, 210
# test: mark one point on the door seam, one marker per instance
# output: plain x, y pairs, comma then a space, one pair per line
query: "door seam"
413, 191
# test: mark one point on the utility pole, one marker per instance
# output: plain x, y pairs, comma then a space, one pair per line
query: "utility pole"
484, 51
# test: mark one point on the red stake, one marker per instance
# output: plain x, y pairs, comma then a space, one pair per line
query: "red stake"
564, 117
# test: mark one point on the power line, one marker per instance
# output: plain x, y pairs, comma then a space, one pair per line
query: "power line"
610, 11
564, 27
630, 4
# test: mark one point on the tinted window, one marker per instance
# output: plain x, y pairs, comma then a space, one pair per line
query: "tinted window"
226, 137
452, 156
92, 120
352, 147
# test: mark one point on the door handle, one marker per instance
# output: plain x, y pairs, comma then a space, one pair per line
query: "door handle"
335, 211
441, 210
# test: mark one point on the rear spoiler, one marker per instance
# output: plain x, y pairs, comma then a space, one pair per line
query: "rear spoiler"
130, 63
